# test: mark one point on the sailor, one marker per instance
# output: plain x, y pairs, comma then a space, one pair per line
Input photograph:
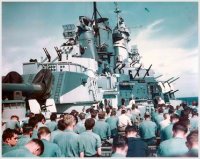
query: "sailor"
171, 110
154, 114
165, 108
93, 114
192, 144
61, 117
120, 146
13, 123
33, 122
113, 123
29, 115
52, 125
160, 101
136, 146
61, 128
167, 132
148, 129
26, 137
90, 143
194, 120
9, 140
175, 146
68, 140
108, 112
50, 149
178, 110
129, 113
101, 105
131, 102
135, 111
80, 126
135, 114
41, 120
124, 121
75, 114
33, 148
159, 117
101, 127
121, 107
165, 122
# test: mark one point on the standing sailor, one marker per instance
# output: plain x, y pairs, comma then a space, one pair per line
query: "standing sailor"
68, 140
90, 143
101, 127
50, 149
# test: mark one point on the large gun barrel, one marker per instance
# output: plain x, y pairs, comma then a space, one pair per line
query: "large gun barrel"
168, 80
147, 71
158, 76
137, 73
174, 91
25, 88
174, 80
168, 92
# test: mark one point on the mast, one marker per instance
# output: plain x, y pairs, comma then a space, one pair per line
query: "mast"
96, 29
117, 11
95, 14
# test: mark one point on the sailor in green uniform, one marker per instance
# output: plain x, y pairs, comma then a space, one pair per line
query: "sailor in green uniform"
175, 146
113, 123
154, 114
68, 140
192, 144
33, 148
102, 128
50, 149
41, 120
61, 128
194, 120
9, 139
80, 126
90, 143
13, 123
147, 129
20, 152
26, 137
159, 117
120, 146
167, 133
52, 125
33, 122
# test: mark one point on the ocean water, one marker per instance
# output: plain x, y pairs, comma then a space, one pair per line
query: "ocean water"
189, 100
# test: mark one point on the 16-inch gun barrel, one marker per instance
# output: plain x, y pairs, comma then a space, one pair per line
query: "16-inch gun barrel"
24, 87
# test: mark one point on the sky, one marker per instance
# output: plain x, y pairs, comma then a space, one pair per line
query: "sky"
166, 34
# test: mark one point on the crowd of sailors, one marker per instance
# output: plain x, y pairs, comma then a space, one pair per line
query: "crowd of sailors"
169, 131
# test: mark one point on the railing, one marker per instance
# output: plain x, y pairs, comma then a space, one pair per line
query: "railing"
65, 66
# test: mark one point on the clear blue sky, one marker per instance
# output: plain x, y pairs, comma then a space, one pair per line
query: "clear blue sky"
168, 37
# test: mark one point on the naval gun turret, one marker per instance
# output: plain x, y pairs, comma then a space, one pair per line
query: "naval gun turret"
16, 92
39, 89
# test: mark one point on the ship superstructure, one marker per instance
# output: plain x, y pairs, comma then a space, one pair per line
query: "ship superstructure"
94, 63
